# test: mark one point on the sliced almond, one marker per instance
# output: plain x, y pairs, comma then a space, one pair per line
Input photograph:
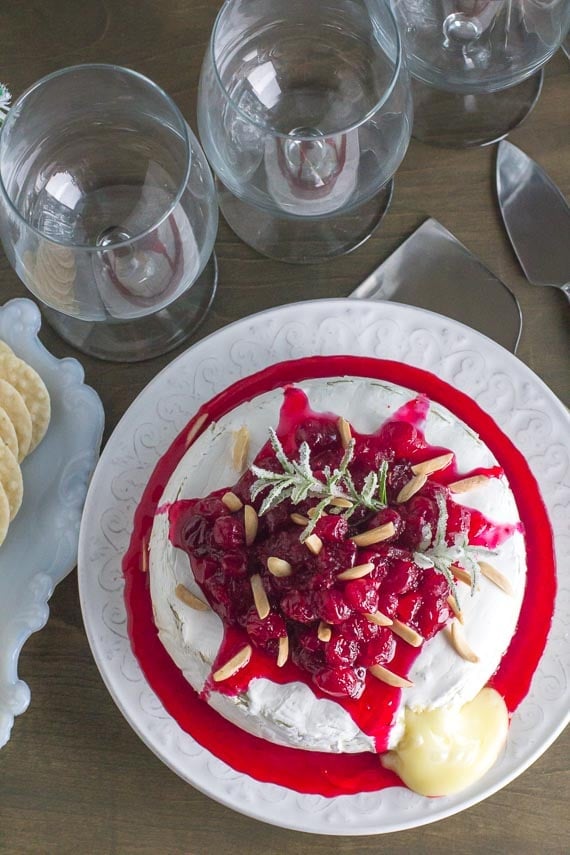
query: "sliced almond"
283, 652
426, 467
466, 484
374, 535
411, 488
344, 431
454, 606
240, 449
299, 519
251, 523
144, 556
279, 567
195, 429
493, 575
324, 632
379, 618
314, 544
259, 596
389, 677
232, 502
233, 665
461, 574
455, 634
190, 599
356, 572
341, 502
406, 633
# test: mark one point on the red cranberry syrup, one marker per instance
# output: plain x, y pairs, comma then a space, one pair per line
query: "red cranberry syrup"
214, 539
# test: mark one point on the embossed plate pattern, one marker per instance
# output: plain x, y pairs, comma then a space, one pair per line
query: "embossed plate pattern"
41, 546
518, 401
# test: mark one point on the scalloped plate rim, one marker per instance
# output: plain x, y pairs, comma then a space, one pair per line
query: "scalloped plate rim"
116, 688
55, 574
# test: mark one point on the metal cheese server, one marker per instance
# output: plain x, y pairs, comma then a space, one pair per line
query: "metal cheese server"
433, 270
536, 216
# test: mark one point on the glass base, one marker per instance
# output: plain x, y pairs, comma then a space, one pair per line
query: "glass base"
303, 240
457, 120
142, 338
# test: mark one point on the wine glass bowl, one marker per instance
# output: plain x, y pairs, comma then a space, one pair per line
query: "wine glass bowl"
475, 64
108, 210
304, 113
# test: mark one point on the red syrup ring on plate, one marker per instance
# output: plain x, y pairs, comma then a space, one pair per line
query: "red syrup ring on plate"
309, 771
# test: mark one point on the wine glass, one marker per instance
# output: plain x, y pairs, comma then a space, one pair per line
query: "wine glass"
476, 65
108, 211
305, 113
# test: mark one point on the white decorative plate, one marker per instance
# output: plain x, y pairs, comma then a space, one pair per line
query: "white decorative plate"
41, 546
518, 401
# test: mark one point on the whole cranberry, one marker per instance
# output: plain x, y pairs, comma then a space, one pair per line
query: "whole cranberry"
370, 452
309, 640
263, 631
274, 520
234, 563
331, 606
379, 556
380, 650
211, 507
432, 615
341, 651
402, 576
408, 606
319, 434
387, 603
332, 528
359, 628
228, 532
192, 533
402, 437
421, 514
203, 568
336, 557
361, 595
434, 584
341, 682
299, 606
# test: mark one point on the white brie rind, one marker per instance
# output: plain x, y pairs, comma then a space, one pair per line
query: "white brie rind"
291, 714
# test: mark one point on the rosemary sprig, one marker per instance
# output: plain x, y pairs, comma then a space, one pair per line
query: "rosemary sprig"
297, 482
440, 555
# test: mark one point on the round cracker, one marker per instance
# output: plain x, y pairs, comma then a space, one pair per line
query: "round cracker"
32, 389
11, 479
15, 406
5, 348
4, 514
8, 433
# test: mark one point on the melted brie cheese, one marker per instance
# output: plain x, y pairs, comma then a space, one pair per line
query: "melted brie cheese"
445, 750
291, 714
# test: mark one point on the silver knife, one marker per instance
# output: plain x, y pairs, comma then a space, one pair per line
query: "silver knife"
536, 216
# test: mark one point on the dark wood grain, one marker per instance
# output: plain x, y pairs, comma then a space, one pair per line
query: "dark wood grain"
75, 778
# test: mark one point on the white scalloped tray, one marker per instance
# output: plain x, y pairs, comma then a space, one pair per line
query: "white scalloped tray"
41, 546
519, 402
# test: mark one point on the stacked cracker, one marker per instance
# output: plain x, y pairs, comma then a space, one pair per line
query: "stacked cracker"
24, 417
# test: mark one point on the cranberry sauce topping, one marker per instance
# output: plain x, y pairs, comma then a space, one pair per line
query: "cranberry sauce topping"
313, 597
313, 772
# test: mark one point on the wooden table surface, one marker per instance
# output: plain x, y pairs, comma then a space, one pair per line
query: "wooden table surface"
74, 777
